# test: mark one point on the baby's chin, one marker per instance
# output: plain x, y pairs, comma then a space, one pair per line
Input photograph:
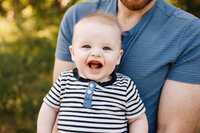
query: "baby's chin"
102, 79
95, 77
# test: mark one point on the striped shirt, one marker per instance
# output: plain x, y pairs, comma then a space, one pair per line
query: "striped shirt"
88, 106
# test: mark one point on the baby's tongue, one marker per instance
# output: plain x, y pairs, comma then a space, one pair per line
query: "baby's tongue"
94, 65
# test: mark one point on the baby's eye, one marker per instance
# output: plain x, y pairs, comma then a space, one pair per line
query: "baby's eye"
86, 46
106, 48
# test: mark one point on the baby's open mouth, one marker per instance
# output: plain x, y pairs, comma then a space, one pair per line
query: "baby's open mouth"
95, 64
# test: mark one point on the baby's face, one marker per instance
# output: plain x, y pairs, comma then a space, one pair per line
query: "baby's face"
96, 50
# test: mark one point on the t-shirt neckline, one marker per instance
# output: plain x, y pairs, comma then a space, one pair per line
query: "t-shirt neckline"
110, 82
143, 20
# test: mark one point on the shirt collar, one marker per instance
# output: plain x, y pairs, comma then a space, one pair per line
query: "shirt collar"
110, 82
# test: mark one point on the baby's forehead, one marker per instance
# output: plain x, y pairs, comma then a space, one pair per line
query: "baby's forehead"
99, 23
96, 29
95, 24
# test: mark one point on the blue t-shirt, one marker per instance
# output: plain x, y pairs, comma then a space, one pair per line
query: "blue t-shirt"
164, 44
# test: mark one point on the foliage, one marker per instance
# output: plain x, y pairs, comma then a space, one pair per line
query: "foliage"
28, 33
191, 6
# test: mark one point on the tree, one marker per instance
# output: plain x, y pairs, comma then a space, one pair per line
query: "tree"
192, 6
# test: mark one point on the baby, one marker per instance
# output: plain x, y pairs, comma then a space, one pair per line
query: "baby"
92, 97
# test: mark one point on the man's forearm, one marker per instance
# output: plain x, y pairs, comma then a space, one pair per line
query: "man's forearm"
179, 108
60, 66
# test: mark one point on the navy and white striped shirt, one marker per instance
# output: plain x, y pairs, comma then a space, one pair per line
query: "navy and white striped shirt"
88, 106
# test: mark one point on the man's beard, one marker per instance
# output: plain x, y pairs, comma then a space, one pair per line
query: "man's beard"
135, 4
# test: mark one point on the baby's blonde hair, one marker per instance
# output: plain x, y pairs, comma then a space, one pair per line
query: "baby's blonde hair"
101, 18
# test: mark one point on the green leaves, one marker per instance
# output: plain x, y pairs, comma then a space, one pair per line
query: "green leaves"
191, 6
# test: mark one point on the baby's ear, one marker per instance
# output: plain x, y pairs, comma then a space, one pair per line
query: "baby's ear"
72, 52
119, 57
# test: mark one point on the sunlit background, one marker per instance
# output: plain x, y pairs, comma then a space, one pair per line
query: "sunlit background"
28, 33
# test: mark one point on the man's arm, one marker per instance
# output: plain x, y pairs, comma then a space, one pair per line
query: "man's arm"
60, 66
179, 108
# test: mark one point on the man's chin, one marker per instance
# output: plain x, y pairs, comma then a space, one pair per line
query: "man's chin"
135, 6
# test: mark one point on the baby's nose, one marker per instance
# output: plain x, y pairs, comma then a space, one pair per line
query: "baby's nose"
96, 52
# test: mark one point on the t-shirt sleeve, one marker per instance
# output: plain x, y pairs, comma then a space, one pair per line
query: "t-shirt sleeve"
187, 66
134, 105
65, 35
53, 96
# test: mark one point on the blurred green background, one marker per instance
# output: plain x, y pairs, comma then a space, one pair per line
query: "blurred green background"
28, 34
